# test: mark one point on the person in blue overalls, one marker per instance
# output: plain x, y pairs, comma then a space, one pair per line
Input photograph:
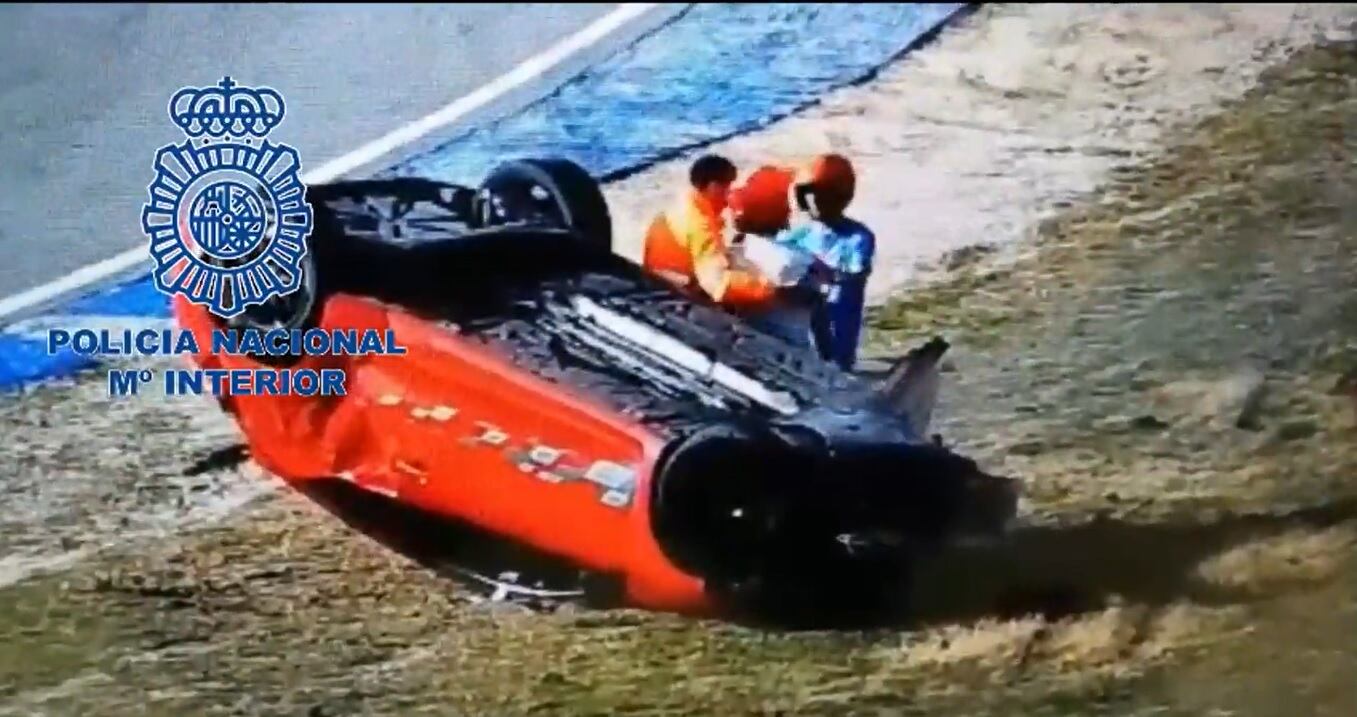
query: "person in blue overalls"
843, 248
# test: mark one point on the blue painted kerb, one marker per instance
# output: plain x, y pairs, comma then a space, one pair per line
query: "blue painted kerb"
713, 72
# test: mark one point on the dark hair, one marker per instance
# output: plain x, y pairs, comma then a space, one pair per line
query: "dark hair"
711, 168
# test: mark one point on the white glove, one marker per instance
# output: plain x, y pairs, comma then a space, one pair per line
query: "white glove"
783, 265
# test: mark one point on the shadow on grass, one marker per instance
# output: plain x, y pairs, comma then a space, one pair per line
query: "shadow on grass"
1061, 571
1054, 572
477, 559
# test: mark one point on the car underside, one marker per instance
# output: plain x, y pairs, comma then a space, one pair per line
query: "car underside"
558, 395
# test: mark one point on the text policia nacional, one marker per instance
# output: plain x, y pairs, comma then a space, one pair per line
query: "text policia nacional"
228, 382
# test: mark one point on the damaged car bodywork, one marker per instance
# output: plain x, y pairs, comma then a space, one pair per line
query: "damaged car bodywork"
554, 393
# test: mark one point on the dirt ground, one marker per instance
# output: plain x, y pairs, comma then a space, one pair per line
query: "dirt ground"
1012, 116
1167, 358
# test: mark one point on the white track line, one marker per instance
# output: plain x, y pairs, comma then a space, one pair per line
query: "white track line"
529, 70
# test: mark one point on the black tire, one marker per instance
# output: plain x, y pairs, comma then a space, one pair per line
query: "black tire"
570, 198
298, 310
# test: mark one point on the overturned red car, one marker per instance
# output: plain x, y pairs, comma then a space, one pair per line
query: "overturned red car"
553, 393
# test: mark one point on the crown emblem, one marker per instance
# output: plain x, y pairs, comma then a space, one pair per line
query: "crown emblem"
227, 216
226, 110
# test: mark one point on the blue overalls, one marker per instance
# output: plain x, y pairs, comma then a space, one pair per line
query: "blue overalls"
847, 247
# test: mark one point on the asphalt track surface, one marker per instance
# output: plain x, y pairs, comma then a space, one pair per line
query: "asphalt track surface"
83, 91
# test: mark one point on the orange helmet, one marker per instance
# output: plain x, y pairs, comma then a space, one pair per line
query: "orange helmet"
830, 178
758, 202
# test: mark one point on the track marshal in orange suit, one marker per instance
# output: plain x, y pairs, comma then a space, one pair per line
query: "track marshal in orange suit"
686, 243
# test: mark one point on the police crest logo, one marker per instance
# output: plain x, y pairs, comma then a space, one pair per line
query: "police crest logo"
228, 217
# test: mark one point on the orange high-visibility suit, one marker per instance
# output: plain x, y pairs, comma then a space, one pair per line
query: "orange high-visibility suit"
686, 245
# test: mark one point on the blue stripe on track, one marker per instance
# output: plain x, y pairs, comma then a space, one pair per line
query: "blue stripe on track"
719, 71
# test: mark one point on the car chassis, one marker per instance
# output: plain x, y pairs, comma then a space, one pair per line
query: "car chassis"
556, 394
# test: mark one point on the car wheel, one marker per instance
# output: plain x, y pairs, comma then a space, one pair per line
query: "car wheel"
546, 192
297, 310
